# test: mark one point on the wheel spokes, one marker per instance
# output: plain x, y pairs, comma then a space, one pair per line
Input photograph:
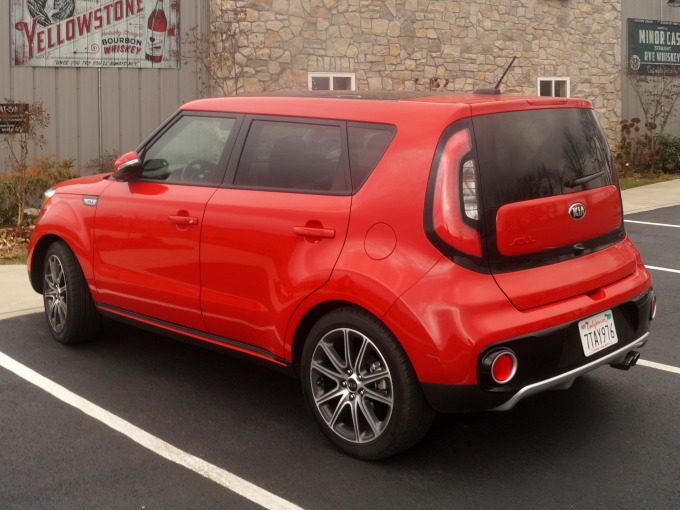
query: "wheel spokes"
55, 293
352, 385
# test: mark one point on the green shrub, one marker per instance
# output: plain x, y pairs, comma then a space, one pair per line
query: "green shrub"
669, 153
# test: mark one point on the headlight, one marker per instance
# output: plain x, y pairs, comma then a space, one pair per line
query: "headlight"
48, 194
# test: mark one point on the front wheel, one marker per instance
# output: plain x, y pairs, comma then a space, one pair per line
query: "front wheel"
71, 314
360, 386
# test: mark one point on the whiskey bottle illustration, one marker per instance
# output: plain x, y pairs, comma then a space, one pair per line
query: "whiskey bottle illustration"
157, 28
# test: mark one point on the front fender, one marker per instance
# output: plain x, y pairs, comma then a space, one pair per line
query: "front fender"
69, 218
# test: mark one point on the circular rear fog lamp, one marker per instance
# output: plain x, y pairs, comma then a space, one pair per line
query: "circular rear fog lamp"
500, 366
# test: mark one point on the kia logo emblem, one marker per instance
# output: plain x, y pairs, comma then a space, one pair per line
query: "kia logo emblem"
577, 211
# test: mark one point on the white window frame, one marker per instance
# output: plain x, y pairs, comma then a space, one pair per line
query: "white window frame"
552, 80
311, 75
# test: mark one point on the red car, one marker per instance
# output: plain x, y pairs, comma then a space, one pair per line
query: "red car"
401, 254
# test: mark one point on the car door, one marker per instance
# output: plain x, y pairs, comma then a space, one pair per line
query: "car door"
147, 230
274, 236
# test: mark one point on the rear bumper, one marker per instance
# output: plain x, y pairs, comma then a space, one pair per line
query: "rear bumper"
469, 398
550, 359
565, 380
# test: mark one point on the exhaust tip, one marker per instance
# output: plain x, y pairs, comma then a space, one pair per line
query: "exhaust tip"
629, 360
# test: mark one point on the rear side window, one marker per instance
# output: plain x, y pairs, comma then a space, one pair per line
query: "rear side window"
540, 153
292, 156
367, 144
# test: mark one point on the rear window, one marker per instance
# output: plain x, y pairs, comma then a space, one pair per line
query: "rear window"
540, 153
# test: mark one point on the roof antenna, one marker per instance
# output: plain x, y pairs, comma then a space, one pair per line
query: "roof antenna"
497, 89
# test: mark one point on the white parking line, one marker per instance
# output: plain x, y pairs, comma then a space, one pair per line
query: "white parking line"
663, 269
654, 224
659, 366
150, 442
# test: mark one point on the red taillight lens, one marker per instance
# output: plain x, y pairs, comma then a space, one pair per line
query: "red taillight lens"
503, 368
499, 367
456, 179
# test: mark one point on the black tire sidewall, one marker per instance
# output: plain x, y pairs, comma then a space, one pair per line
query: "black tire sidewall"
81, 322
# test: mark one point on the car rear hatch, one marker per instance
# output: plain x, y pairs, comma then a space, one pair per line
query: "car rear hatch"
551, 208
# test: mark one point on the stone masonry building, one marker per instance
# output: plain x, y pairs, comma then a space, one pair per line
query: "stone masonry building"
563, 47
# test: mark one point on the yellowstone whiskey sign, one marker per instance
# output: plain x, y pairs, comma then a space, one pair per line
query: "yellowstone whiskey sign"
95, 33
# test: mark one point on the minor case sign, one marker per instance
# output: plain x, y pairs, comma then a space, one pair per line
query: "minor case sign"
95, 33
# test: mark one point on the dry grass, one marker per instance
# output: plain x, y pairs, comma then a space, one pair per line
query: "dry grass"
13, 244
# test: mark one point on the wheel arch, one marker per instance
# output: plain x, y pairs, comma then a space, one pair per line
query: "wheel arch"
306, 323
36, 260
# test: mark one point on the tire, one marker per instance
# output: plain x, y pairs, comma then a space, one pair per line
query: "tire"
360, 386
69, 309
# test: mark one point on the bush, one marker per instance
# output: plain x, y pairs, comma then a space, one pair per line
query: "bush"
40, 176
101, 165
637, 151
669, 153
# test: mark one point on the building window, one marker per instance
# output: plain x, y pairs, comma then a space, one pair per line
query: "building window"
555, 87
330, 81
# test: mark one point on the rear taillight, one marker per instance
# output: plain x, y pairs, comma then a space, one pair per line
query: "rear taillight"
455, 197
469, 184
499, 367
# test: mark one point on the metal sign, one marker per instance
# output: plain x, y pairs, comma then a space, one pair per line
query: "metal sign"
95, 33
653, 46
13, 118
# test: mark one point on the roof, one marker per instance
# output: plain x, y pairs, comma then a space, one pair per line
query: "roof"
377, 106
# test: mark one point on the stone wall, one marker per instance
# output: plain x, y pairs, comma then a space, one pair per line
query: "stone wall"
404, 44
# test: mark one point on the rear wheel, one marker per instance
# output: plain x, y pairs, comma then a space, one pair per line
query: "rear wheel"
69, 309
360, 386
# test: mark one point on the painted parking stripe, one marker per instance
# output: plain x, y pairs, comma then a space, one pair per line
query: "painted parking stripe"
659, 366
654, 224
158, 446
663, 269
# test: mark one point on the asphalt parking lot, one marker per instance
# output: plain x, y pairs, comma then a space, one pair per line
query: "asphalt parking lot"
136, 421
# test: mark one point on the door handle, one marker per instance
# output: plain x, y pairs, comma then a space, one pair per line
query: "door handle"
326, 233
183, 220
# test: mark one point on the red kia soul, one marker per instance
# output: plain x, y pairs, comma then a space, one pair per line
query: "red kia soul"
400, 254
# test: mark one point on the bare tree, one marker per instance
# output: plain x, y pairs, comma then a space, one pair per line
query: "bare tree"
22, 124
657, 95
216, 52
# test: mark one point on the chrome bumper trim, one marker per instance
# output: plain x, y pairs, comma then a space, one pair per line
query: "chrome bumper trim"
565, 378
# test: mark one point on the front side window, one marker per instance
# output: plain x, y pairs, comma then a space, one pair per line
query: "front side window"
189, 151
292, 156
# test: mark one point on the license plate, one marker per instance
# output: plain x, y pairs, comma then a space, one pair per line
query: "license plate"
597, 332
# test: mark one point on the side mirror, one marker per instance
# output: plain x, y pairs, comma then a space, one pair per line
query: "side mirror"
127, 167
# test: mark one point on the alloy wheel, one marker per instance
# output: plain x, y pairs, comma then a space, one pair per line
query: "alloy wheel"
351, 385
55, 293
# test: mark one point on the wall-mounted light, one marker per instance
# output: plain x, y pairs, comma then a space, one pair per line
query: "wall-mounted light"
673, 3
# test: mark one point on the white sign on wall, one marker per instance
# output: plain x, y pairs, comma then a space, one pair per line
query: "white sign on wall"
95, 33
